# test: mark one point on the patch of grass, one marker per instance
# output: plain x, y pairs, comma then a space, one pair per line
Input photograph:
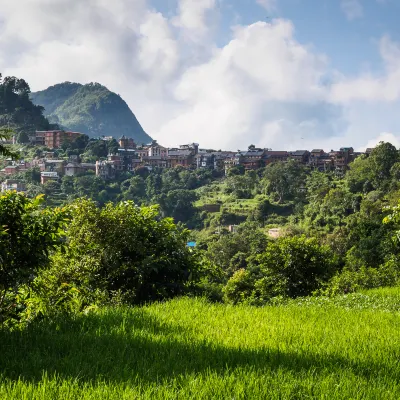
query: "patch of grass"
190, 349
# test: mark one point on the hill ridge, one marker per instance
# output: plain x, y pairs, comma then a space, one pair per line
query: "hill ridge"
91, 109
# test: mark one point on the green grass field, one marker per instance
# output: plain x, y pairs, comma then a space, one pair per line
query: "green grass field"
189, 349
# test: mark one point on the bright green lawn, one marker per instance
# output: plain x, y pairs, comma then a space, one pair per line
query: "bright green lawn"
188, 349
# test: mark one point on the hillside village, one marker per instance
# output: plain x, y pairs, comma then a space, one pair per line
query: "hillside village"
130, 156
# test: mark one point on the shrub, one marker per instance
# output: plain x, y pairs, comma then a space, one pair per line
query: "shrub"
28, 235
350, 281
121, 251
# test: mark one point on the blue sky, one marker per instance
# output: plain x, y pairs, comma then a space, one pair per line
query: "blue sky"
226, 73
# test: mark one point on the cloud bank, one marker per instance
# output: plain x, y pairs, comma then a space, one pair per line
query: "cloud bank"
262, 87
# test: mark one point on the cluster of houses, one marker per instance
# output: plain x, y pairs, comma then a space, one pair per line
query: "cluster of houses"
129, 156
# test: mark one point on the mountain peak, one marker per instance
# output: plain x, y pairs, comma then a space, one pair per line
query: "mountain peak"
91, 109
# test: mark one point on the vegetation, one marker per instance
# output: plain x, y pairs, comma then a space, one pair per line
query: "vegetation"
17, 112
91, 109
190, 349
102, 296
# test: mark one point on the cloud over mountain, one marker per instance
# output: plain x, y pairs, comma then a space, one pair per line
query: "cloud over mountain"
263, 86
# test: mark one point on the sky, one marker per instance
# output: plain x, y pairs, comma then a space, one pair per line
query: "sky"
282, 74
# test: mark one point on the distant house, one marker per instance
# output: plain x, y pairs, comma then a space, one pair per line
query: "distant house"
155, 150
301, 156
320, 160
51, 165
253, 159
48, 176
274, 156
13, 184
204, 160
54, 139
126, 143
11, 169
183, 157
72, 169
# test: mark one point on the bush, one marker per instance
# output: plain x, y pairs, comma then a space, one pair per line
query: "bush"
350, 281
119, 252
289, 267
28, 235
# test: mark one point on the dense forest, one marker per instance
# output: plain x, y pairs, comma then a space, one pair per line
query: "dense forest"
91, 109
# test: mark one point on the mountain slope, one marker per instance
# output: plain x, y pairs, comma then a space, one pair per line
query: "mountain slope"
90, 109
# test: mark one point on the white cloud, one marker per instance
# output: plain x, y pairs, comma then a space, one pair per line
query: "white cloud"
382, 137
369, 87
193, 17
353, 9
269, 5
262, 87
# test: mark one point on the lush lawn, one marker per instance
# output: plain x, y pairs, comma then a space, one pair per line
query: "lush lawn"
189, 349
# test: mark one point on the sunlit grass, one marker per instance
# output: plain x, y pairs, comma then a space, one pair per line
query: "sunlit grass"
189, 349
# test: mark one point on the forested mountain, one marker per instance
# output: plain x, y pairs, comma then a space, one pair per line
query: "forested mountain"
17, 111
90, 109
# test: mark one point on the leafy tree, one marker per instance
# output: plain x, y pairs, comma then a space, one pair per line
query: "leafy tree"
285, 180
178, 204
292, 267
28, 234
6, 134
16, 109
124, 250
22, 137
382, 159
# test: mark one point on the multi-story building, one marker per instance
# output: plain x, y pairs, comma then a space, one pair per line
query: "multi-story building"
275, 156
74, 168
320, 160
142, 152
204, 160
154, 161
105, 169
54, 139
11, 169
126, 143
342, 158
155, 150
300, 156
253, 158
51, 165
220, 157
183, 157
48, 176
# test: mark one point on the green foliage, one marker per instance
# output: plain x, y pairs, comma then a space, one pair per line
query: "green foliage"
349, 281
6, 134
285, 180
91, 109
289, 267
178, 204
28, 234
17, 110
120, 251
299, 262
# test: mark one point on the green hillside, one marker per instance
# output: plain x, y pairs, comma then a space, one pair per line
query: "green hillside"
90, 109
190, 349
